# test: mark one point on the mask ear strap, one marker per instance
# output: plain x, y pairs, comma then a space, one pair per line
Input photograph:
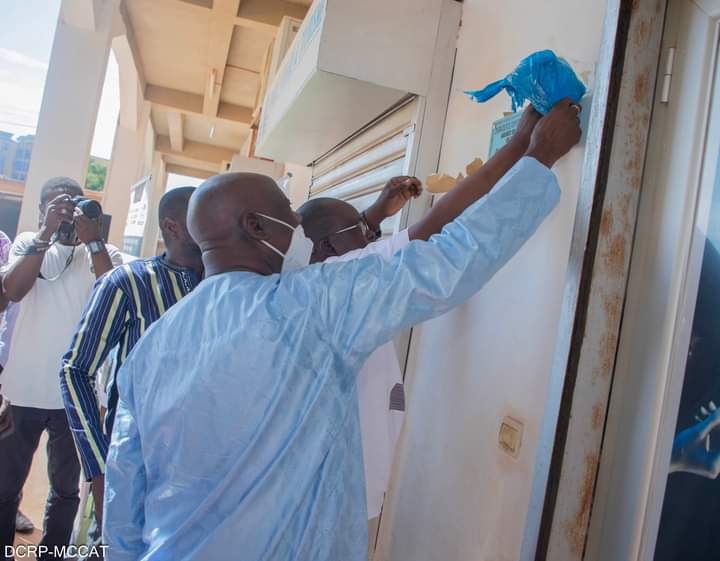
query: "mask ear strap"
275, 249
275, 220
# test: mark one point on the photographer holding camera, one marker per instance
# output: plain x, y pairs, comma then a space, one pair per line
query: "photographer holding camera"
53, 272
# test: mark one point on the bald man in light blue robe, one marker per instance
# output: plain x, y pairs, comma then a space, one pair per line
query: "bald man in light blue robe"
237, 433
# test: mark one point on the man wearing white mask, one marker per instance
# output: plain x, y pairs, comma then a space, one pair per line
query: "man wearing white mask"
340, 233
237, 432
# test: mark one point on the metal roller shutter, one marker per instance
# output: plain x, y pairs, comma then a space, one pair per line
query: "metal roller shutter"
356, 170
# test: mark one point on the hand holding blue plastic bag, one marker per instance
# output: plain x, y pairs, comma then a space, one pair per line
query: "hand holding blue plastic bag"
542, 78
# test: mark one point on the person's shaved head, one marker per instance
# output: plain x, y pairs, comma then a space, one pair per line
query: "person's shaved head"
322, 218
174, 203
172, 216
225, 218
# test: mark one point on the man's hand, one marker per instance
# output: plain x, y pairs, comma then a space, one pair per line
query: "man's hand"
692, 452
58, 211
6, 420
555, 133
87, 229
525, 128
396, 193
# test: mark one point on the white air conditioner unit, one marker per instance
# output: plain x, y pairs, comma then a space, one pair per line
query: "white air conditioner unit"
274, 56
256, 165
351, 61
286, 33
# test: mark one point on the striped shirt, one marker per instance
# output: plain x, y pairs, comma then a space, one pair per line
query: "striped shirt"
124, 303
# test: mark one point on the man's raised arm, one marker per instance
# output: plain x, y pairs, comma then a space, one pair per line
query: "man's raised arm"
26, 258
380, 298
466, 192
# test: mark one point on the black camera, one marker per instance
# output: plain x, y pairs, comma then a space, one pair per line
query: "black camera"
88, 207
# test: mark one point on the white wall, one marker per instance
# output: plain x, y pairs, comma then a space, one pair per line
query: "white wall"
299, 183
456, 495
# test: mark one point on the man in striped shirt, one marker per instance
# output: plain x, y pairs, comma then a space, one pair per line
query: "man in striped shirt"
123, 305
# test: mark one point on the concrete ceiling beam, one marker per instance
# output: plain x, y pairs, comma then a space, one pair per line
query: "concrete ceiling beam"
188, 171
129, 38
130, 69
194, 154
175, 129
192, 104
200, 3
222, 25
266, 15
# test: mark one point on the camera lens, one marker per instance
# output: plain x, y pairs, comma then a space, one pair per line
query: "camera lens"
90, 208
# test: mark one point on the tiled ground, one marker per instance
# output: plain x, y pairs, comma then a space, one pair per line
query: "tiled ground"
34, 495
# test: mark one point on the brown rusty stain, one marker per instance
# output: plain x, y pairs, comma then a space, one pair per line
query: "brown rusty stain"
625, 202
643, 32
608, 345
614, 256
597, 417
575, 529
641, 87
613, 306
633, 166
638, 156
634, 160
606, 222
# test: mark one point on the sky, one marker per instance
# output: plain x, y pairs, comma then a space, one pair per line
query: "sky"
27, 28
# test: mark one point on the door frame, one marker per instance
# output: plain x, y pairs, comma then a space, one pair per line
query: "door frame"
649, 378
596, 280
585, 514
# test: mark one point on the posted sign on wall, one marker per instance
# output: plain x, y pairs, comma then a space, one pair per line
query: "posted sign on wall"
502, 130
137, 217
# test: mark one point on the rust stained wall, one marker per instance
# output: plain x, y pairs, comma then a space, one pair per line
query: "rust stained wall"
456, 495
607, 291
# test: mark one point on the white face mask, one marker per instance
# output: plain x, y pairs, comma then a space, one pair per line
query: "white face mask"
298, 252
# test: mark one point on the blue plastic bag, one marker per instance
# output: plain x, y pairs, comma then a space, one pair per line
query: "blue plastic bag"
542, 78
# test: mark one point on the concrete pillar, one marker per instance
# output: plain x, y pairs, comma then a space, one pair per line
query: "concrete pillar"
155, 193
126, 168
70, 102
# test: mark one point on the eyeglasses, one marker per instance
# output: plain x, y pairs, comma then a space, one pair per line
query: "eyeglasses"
361, 225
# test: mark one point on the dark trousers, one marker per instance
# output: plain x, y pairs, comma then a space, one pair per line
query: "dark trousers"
16, 454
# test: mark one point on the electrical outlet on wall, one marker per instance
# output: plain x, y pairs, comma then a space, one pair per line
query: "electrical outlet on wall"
510, 436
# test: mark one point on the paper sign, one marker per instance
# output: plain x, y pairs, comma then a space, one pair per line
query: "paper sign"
502, 130
442, 183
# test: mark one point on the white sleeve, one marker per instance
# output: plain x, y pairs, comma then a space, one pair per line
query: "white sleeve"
20, 246
374, 299
385, 248
115, 255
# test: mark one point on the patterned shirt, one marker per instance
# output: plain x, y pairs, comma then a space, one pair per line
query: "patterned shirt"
5, 244
123, 305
